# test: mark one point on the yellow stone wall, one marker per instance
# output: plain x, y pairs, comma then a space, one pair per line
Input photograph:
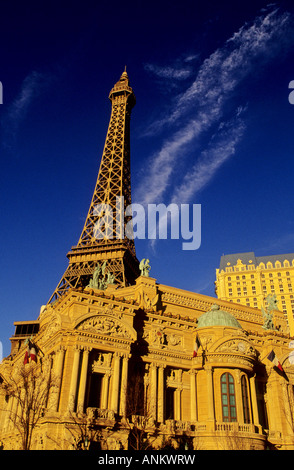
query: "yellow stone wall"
151, 328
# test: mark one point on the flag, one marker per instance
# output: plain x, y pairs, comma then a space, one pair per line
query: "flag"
33, 354
30, 353
273, 358
27, 355
196, 346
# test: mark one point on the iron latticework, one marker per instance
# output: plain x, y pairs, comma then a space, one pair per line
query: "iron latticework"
106, 214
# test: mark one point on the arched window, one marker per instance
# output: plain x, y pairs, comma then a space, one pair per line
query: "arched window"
228, 398
245, 401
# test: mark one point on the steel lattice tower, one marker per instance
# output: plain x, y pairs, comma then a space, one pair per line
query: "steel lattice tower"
113, 187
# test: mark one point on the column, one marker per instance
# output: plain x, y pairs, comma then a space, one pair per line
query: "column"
8, 412
59, 373
153, 390
83, 380
161, 393
254, 400
209, 377
124, 385
74, 380
193, 398
178, 393
115, 382
105, 389
238, 396
286, 417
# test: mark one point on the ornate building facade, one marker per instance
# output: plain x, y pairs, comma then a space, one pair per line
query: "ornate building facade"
117, 360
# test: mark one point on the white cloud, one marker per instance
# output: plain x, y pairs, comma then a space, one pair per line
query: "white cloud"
201, 107
211, 159
31, 87
170, 73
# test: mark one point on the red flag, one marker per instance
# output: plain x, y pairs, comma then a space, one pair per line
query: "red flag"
273, 358
196, 346
30, 354
27, 355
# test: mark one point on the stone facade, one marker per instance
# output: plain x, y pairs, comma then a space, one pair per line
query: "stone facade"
125, 376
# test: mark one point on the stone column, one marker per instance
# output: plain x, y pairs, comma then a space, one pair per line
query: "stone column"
105, 388
74, 380
254, 400
115, 382
286, 417
161, 393
193, 398
238, 397
178, 393
83, 380
153, 390
7, 413
209, 376
124, 384
59, 372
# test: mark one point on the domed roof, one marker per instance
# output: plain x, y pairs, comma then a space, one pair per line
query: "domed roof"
217, 317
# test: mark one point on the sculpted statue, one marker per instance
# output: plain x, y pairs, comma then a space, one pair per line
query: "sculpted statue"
267, 314
100, 279
144, 267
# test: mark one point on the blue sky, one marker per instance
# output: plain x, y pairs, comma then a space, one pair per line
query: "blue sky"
212, 126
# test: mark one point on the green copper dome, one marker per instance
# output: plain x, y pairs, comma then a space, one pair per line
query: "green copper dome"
217, 317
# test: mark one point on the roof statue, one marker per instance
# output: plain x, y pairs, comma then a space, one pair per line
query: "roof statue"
144, 267
100, 279
267, 314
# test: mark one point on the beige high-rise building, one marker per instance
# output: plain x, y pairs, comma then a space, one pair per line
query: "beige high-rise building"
117, 360
248, 279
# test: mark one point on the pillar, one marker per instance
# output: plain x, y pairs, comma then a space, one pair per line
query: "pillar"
178, 394
254, 400
59, 373
124, 385
115, 382
153, 390
8, 412
209, 377
74, 380
238, 396
161, 393
83, 380
105, 389
193, 398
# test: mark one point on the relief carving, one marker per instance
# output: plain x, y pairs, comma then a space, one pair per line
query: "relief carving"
107, 326
237, 346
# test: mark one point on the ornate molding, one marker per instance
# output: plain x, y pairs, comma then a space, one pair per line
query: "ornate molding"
108, 326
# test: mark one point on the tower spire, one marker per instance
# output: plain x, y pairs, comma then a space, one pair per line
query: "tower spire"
112, 194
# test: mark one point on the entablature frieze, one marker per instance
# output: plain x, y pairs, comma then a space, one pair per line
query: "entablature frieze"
237, 361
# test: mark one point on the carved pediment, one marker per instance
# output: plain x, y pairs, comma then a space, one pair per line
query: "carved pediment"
109, 326
238, 346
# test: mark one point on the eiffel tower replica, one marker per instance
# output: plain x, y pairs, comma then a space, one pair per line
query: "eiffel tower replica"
115, 252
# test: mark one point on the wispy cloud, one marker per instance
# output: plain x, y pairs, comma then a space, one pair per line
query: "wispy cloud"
171, 73
202, 107
31, 87
220, 149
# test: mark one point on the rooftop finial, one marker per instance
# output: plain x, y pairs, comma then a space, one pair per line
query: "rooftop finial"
124, 74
